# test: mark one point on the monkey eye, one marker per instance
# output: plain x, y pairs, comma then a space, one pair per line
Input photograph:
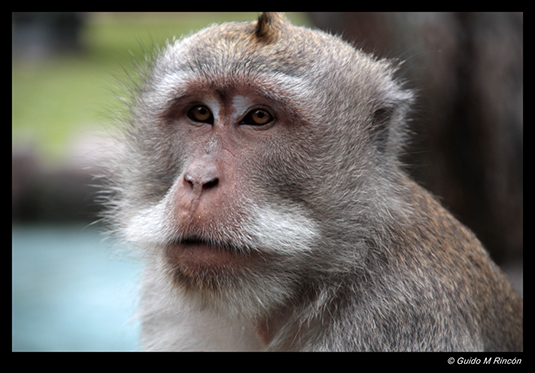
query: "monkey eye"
201, 114
257, 117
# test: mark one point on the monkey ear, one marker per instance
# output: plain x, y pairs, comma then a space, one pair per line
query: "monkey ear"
391, 104
381, 127
388, 127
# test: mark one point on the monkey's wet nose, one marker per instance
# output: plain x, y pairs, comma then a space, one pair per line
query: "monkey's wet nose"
200, 178
203, 183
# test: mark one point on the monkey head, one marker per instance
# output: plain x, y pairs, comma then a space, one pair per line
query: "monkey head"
248, 160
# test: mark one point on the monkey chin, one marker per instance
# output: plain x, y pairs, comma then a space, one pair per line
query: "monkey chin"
240, 282
200, 259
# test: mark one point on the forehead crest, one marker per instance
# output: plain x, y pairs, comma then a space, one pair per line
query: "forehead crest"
268, 27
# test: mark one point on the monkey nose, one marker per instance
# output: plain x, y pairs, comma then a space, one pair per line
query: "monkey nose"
201, 179
204, 184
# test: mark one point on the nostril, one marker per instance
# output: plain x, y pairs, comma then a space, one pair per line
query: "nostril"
211, 184
204, 184
201, 175
189, 180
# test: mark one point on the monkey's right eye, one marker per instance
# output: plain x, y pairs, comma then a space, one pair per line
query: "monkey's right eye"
201, 114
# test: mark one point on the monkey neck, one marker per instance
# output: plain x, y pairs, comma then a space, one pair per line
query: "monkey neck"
289, 327
270, 328
266, 329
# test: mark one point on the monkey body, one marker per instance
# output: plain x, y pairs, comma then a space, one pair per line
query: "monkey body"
428, 297
263, 186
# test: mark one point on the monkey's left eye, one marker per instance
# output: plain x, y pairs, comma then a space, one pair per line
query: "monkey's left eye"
257, 117
200, 113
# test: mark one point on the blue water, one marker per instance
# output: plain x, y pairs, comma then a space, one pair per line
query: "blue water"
71, 291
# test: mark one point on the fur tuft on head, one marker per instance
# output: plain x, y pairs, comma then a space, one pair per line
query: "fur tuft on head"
268, 26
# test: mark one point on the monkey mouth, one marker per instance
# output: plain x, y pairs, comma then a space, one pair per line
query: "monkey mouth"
196, 256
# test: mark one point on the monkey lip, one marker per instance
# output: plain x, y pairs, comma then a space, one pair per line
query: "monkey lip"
195, 256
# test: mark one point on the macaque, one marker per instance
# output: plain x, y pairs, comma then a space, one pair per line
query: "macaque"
259, 176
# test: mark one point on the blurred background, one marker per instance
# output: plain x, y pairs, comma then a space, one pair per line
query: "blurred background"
75, 290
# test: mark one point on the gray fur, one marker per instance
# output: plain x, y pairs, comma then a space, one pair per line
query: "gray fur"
357, 256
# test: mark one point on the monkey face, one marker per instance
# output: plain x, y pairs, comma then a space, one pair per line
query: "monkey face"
213, 203
232, 160
234, 136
